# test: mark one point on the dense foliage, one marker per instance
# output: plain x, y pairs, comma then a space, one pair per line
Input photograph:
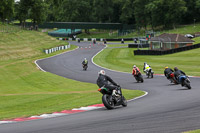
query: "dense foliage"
165, 13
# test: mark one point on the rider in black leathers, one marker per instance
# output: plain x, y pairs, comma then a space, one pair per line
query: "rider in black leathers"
178, 73
167, 72
104, 80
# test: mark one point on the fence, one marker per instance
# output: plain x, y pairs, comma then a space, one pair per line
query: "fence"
51, 50
164, 52
9, 28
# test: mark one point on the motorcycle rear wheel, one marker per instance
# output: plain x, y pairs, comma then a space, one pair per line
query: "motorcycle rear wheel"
107, 101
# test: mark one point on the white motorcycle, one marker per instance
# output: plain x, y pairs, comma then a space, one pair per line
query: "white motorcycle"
149, 72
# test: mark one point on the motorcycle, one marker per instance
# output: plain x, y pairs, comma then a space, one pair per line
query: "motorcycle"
85, 67
172, 78
139, 77
149, 73
110, 101
184, 81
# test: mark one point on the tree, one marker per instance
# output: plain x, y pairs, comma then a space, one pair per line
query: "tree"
176, 9
127, 15
117, 11
38, 11
22, 8
54, 8
165, 13
103, 10
197, 11
76, 11
156, 10
140, 13
6, 9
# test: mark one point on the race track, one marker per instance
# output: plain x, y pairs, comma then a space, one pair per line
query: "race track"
167, 108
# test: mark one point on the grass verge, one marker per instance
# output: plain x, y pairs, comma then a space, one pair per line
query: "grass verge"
122, 59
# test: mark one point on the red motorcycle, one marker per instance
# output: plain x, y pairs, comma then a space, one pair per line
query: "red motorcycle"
172, 78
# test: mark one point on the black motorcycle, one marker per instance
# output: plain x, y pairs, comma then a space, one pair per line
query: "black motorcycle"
139, 77
109, 100
85, 67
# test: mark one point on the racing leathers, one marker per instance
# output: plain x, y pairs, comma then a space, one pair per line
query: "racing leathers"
135, 71
85, 63
178, 73
147, 68
107, 82
167, 72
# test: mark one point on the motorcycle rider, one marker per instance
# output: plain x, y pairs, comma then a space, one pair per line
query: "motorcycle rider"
178, 73
146, 68
167, 72
135, 71
107, 82
85, 62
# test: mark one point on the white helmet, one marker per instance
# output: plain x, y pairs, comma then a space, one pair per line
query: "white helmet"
134, 66
102, 72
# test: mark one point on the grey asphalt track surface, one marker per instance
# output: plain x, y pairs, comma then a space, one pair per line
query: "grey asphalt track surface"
167, 108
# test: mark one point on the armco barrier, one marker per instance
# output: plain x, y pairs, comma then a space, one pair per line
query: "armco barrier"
51, 50
163, 52
101, 39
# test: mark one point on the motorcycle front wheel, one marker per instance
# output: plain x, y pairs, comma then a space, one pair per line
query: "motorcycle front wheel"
151, 75
124, 101
187, 84
141, 78
107, 101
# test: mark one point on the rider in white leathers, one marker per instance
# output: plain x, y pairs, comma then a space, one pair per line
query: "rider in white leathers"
147, 68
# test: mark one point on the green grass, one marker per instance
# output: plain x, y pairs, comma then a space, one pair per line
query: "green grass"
122, 59
195, 131
27, 91
184, 29
197, 40
116, 45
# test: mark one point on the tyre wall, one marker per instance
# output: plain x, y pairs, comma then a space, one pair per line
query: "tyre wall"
164, 52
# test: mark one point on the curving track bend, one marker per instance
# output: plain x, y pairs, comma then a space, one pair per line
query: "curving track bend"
166, 109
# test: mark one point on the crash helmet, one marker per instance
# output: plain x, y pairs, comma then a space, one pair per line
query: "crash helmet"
166, 67
102, 72
175, 69
134, 66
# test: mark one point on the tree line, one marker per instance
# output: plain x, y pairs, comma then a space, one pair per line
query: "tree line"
156, 13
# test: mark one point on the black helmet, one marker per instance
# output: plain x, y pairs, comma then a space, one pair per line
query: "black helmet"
175, 68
